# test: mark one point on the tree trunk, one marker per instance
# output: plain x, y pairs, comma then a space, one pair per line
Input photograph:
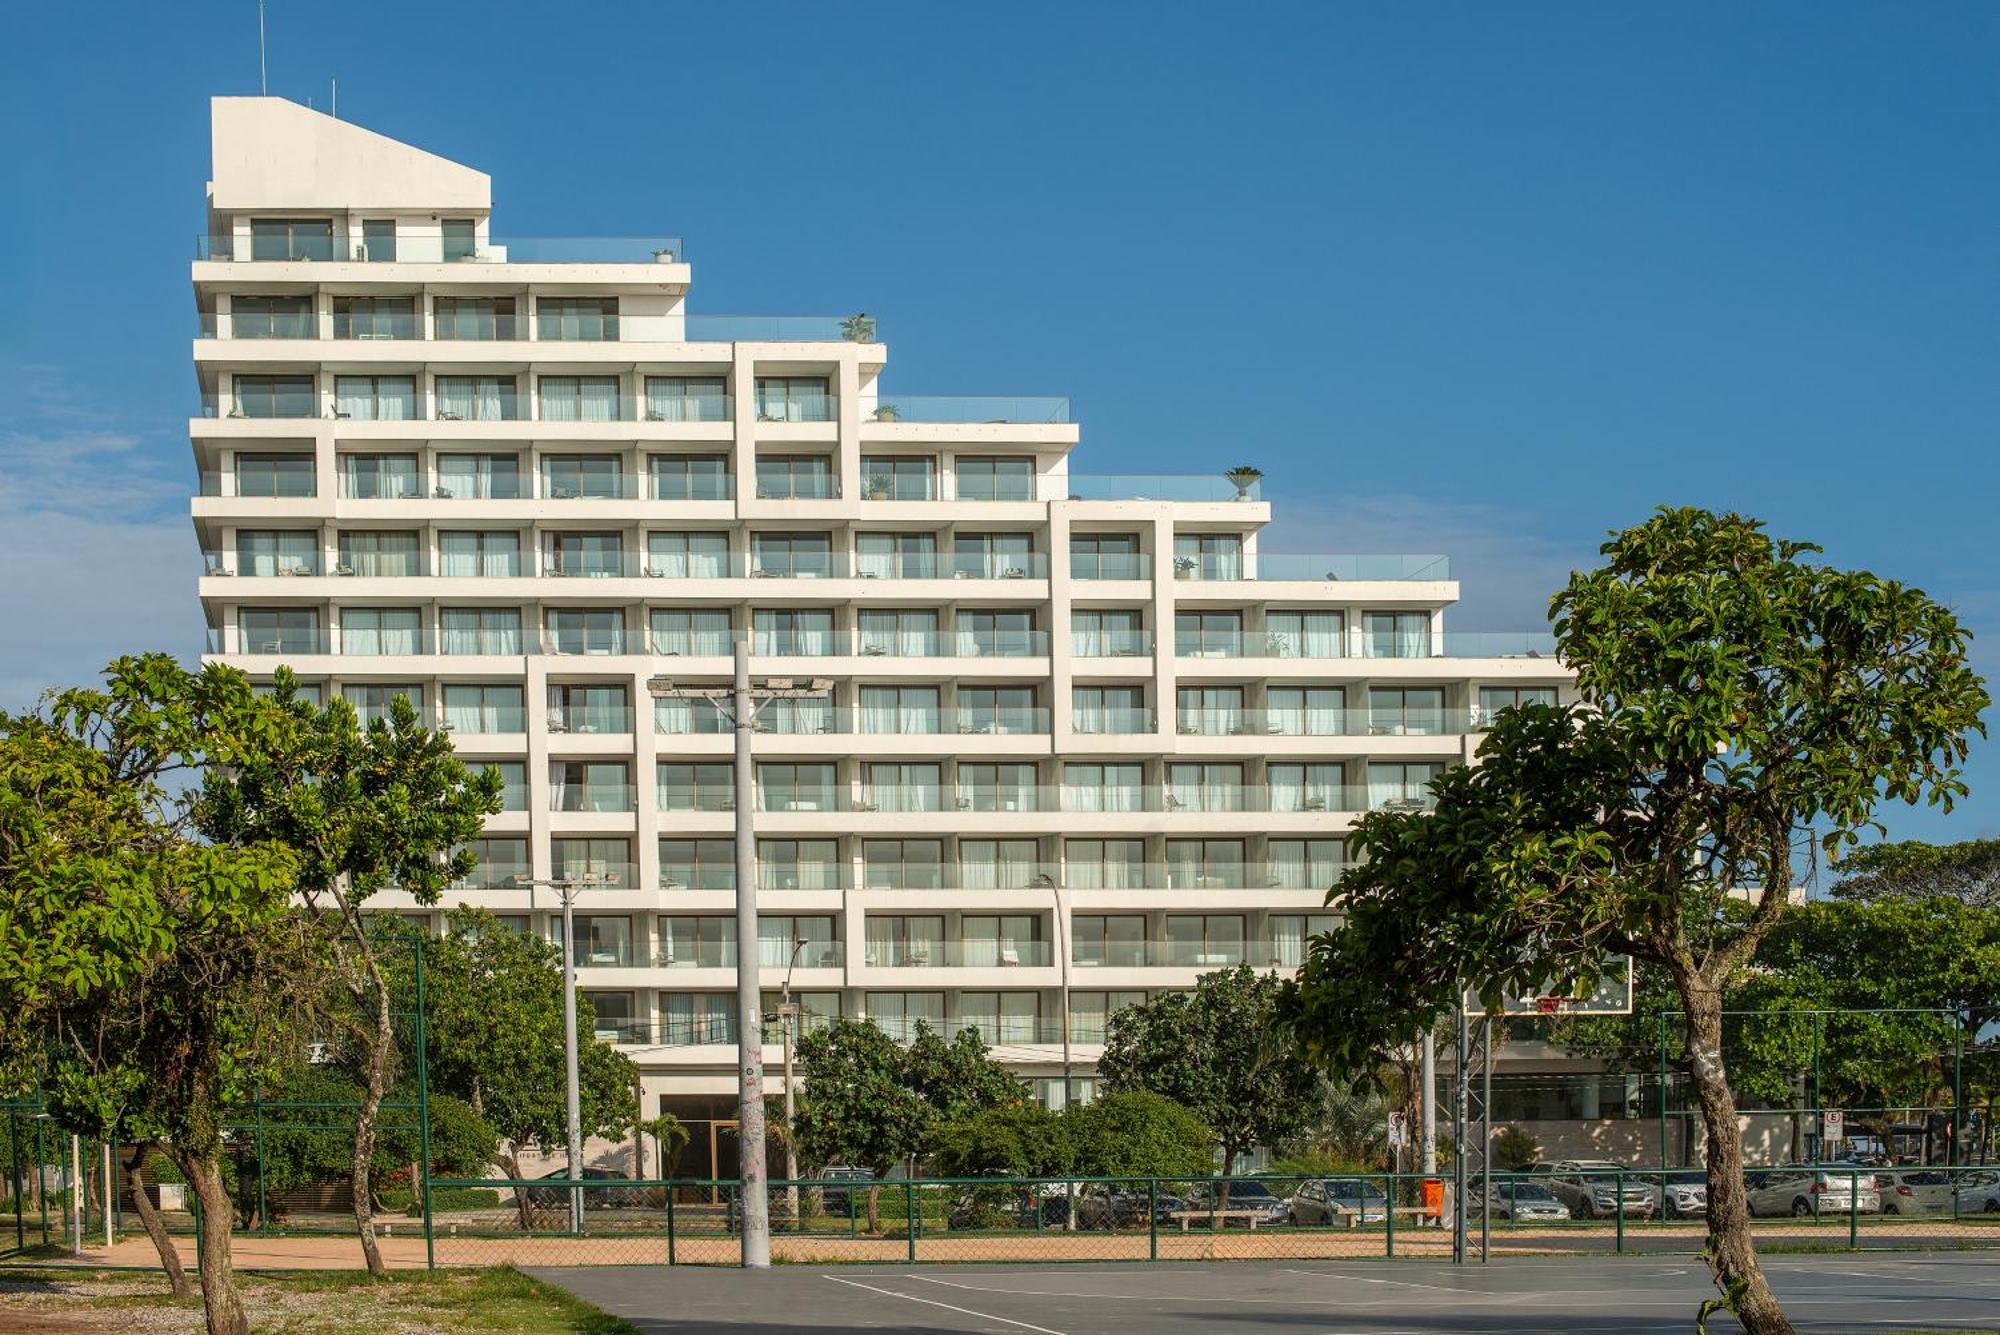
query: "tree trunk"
381, 1046
142, 1205
524, 1210
1732, 1253
221, 1302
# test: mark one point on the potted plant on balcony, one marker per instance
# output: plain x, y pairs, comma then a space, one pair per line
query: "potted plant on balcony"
875, 487
1243, 477
858, 328
885, 412
1184, 566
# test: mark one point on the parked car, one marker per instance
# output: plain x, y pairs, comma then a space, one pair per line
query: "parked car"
834, 1200
1339, 1200
1525, 1202
1103, 1205
1915, 1191
1686, 1194
1979, 1192
1008, 1205
1240, 1193
1591, 1188
1801, 1190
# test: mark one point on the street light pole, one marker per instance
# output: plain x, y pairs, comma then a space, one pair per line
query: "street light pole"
787, 1013
566, 888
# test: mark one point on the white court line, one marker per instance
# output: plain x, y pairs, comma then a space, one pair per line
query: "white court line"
962, 1311
1209, 1299
1402, 1283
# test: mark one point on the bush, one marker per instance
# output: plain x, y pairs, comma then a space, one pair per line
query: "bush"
447, 1198
1514, 1149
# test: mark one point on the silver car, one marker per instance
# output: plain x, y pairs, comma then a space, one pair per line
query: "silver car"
1979, 1192
1686, 1194
1591, 1188
1802, 1191
1915, 1190
1525, 1203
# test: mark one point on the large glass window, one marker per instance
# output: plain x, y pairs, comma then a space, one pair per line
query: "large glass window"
904, 786
800, 631
590, 785
898, 632
1306, 711
1304, 635
569, 477
461, 238
485, 708
687, 555
586, 630
698, 942
1105, 864
995, 479
1397, 634
375, 317
275, 396
1109, 709
475, 318
688, 786
274, 317
1289, 934
1406, 711
501, 859
583, 555
605, 941
479, 555
1210, 711
1090, 1012
793, 399
1002, 940
1493, 699
904, 941
273, 475
899, 1014
580, 398
896, 555
792, 555
1306, 864
994, 556
371, 702
806, 939
279, 552
994, 633
999, 864
480, 630
291, 238
478, 398
689, 477
576, 319
381, 630
1315, 787
1115, 941
1204, 940
375, 398
381, 553
1205, 864
279, 630
1401, 786
683, 716
795, 477
687, 398
698, 1018
697, 864
1106, 556
800, 864
479, 477
1208, 555
378, 240
798, 715
579, 708
902, 864
998, 709
1001, 1017
797, 786
1208, 634
896, 477
1117, 632
900, 709
1194, 785
1104, 787
693, 632
996, 787
380, 477
609, 860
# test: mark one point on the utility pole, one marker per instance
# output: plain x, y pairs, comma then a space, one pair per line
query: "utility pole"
1428, 1162
741, 710
566, 888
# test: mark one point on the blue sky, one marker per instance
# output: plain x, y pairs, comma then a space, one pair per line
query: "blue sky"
1481, 279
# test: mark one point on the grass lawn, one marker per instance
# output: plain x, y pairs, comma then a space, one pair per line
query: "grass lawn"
45, 1301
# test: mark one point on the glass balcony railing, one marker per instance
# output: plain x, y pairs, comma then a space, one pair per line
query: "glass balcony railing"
440, 249
611, 640
772, 955
945, 408
778, 329
1499, 644
953, 644
1110, 565
270, 643
1332, 569
690, 408
1111, 643
995, 1029
590, 720
1146, 487
957, 954
1324, 721
1170, 954
1114, 721
604, 797
611, 955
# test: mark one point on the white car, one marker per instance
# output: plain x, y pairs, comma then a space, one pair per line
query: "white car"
1805, 1191
1686, 1194
1591, 1188
1915, 1190
1979, 1192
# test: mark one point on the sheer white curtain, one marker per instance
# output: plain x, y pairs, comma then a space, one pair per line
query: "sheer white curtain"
875, 555
674, 715
598, 398
558, 786
879, 709
878, 631
1084, 788
459, 631
1087, 710
917, 711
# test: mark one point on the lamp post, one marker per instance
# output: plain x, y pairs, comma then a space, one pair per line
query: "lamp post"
739, 704
566, 888
786, 1014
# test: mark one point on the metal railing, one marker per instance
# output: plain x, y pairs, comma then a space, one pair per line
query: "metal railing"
978, 408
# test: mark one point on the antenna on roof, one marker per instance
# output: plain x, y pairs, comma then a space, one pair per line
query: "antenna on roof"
335, 113
263, 83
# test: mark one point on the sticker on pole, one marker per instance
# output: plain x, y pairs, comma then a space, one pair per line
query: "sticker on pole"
1609, 994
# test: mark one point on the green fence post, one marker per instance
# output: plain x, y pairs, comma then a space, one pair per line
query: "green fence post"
14, 1166
1620, 1180
263, 1201
41, 1182
670, 1223
423, 1117
910, 1217
1957, 1100
1388, 1219
1152, 1219
1663, 1089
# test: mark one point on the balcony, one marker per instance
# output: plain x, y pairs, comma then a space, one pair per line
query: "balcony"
1110, 565
590, 721
953, 644
773, 954
950, 409
593, 797
1147, 487
1111, 643
406, 249
957, 954
779, 329
1268, 566
1326, 722
1116, 721
1168, 954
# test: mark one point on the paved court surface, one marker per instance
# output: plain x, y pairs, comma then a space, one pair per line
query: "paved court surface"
1565, 1296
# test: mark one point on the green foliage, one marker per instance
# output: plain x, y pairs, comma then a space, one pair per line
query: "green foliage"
494, 1032
870, 1102
1349, 1125
1968, 871
1134, 1134
1018, 1140
1514, 1149
1219, 1052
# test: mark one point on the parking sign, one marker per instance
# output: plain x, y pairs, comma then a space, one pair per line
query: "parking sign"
1832, 1124
1399, 1130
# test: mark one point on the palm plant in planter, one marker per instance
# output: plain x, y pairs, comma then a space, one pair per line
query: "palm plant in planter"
858, 328
886, 412
1243, 477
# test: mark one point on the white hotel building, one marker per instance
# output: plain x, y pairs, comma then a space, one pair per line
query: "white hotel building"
1063, 714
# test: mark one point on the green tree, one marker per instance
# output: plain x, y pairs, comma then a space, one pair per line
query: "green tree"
1134, 1134
493, 1028
140, 977
868, 1101
1968, 871
362, 809
1745, 709
1219, 1052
